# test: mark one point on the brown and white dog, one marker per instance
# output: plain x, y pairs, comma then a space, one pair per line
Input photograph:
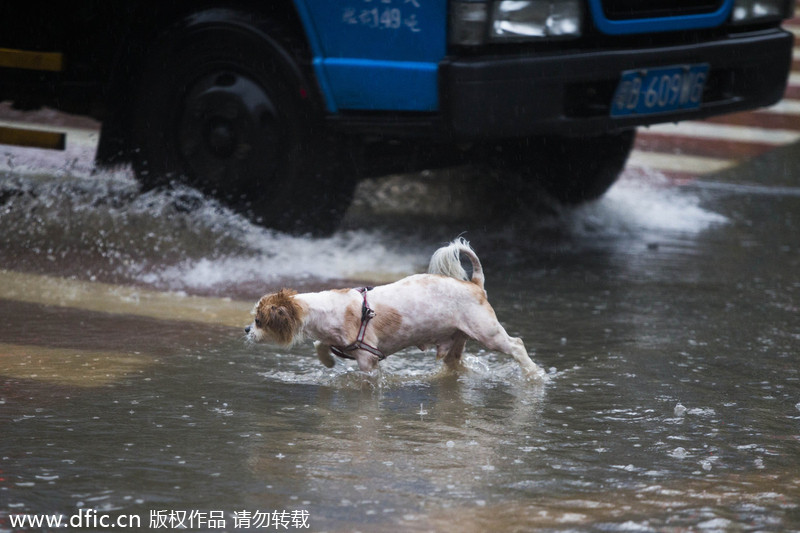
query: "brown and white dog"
442, 308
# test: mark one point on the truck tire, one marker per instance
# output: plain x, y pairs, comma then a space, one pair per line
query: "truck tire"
572, 171
223, 107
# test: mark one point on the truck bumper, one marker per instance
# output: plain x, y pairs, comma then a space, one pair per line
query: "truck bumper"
568, 93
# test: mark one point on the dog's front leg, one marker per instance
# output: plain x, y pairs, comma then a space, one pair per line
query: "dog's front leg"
366, 361
324, 354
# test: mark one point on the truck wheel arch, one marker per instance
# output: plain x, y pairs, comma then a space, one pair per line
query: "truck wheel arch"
149, 24
270, 157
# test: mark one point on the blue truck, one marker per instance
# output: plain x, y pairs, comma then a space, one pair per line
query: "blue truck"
278, 107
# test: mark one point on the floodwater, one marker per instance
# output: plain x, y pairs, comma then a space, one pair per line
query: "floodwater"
666, 315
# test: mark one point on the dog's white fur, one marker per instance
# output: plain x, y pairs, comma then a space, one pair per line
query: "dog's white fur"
442, 308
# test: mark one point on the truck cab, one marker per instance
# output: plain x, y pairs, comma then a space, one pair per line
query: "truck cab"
279, 107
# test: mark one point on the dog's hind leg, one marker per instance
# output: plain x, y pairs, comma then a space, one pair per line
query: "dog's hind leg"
494, 337
451, 352
514, 347
324, 354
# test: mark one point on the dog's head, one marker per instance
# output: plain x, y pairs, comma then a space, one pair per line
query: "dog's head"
278, 319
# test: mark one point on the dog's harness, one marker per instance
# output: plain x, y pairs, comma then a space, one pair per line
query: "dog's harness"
366, 315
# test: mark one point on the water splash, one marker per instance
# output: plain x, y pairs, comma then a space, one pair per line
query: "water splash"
643, 206
269, 257
103, 227
177, 239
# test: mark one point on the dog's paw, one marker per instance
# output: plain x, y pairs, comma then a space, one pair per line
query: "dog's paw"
324, 354
534, 373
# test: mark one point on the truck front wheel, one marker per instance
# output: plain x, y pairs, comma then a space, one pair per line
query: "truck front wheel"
222, 108
572, 171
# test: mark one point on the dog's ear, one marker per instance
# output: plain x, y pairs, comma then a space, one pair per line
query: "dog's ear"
279, 315
280, 322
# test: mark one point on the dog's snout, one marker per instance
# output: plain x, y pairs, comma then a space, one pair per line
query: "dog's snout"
247, 329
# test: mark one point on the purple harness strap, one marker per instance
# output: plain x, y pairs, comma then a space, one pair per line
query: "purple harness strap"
366, 315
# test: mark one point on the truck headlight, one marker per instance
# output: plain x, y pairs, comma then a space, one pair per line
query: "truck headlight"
745, 11
473, 22
468, 22
535, 19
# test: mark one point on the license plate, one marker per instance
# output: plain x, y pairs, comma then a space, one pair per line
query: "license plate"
658, 90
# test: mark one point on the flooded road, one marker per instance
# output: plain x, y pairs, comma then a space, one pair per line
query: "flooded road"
666, 315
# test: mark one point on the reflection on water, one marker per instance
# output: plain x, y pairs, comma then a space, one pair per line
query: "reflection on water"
667, 320
77, 368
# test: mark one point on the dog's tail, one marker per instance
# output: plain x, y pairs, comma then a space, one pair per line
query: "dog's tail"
446, 261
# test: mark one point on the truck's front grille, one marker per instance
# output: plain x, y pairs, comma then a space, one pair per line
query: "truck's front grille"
644, 9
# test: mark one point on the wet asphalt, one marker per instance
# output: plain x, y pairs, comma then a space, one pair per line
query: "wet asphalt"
667, 315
